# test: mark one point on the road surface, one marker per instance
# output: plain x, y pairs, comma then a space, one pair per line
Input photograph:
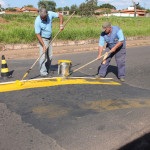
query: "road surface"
80, 116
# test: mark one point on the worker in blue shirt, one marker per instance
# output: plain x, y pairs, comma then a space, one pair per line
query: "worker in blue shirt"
116, 44
43, 31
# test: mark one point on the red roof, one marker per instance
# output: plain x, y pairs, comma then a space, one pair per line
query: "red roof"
103, 9
17, 9
130, 11
30, 8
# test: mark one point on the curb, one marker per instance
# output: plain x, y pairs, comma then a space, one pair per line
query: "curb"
4, 47
31, 51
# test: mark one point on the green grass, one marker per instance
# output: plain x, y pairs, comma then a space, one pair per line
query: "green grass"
20, 28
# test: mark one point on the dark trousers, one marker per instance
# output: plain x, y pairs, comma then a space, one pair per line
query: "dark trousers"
120, 57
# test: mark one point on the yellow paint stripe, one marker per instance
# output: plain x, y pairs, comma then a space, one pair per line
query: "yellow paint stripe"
20, 85
4, 70
108, 105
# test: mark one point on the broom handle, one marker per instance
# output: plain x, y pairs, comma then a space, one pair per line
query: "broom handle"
88, 63
47, 47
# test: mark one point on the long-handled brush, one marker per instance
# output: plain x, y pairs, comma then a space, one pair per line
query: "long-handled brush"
105, 57
19, 82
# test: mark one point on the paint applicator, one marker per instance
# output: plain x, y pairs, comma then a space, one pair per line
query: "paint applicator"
58, 79
18, 83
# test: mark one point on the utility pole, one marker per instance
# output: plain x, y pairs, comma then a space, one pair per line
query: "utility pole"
135, 7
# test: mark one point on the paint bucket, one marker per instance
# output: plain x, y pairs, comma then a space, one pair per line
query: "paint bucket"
64, 67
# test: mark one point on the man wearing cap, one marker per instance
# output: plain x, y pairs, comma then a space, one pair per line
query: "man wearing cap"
116, 44
43, 30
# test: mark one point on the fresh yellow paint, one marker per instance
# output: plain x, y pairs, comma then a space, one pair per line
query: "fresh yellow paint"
27, 84
64, 61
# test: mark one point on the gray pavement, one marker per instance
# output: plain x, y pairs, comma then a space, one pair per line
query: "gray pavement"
79, 117
17, 135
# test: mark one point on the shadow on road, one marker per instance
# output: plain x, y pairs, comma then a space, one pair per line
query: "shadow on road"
110, 69
142, 143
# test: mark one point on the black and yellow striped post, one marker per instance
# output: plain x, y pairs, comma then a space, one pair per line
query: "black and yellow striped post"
4, 68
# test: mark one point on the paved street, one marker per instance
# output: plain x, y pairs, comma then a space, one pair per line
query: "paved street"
80, 116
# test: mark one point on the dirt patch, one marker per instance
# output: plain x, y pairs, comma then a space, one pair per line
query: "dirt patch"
2, 20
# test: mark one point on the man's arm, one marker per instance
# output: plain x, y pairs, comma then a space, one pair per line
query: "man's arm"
100, 49
37, 32
61, 27
41, 41
101, 45
116, 46
120, 41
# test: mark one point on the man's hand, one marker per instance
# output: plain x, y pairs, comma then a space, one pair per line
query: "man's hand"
99, 56
41, 41
61, 27
44, 48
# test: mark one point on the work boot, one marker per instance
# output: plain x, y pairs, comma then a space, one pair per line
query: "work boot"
44, 75
122, 79
98, 77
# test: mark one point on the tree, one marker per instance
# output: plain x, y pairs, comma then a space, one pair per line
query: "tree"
88, 8
107, 5
148, 11
59, 9
91, 5
49, 5
73, 8
82, 9
28, 6
0, 7
140, 7
107, 11
10, 9
66, 8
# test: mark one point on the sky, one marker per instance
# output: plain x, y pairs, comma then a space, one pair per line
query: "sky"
119, 4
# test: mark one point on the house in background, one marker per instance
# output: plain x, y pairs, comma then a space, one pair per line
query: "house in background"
130, 12
29, 9
104, 11
147, 14
22, 10
17, 9
123, 13
64, 12
2, 12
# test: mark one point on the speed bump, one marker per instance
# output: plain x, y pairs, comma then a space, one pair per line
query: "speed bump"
56, 81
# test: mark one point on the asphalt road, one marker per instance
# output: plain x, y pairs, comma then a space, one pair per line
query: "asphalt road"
80, 117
